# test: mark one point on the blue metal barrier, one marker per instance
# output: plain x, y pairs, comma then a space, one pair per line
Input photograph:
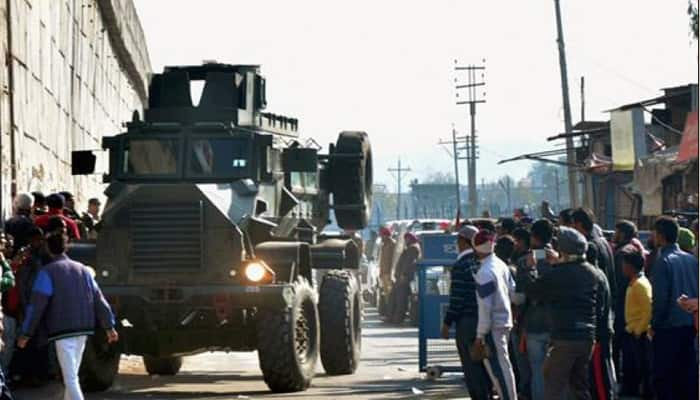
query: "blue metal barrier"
439, 254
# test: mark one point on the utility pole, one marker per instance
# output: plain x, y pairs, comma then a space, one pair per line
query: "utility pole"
473, 99
399, 170
455, 156
556, 187
583, 99
506, 188
570, 153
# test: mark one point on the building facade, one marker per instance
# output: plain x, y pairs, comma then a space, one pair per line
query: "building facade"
71, 71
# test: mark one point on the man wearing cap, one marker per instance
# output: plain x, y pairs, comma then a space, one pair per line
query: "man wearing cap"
494, 285
405, 271
463, 311
56, 204
92, 217
572, 288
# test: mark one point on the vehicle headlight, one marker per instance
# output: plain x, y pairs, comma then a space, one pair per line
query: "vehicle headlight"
255, 272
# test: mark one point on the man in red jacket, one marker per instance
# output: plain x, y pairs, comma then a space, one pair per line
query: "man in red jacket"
56, 203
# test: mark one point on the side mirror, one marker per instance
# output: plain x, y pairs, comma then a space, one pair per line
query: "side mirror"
83, 162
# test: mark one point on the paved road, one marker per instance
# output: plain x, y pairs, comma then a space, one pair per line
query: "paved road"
388, 371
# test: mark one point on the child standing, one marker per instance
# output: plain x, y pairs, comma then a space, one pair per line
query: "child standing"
636, 349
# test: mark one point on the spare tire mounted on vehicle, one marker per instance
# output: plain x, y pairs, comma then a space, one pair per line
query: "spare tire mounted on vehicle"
352, 180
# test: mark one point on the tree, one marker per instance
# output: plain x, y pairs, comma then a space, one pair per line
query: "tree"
439, 177
693, 14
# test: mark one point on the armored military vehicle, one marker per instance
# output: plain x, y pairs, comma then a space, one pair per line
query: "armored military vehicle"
211, 233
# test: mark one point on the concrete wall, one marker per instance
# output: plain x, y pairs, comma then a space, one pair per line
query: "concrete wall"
77, 70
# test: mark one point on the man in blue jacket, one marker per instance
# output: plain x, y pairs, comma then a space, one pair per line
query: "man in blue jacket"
463, 311
66, 298
675, 273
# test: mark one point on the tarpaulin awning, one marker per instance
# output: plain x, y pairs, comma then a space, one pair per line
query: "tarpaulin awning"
649, 175
689, 143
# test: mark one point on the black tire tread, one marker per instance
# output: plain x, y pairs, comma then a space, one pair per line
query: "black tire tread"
96, 374
339, 354
166, 366
276, 349
348, 177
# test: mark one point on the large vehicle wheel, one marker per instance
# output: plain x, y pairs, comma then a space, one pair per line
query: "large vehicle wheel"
340, 308
351, 178
162, 365
288, 342
100, 364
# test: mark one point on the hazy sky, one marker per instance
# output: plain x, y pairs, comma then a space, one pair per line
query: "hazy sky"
386, 67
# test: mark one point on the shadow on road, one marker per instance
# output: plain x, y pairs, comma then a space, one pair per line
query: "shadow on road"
388, 370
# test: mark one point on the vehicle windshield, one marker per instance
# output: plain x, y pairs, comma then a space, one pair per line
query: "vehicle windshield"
151, 157
204, 158
223, 157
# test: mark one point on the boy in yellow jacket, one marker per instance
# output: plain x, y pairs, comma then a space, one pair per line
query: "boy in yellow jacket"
636, 349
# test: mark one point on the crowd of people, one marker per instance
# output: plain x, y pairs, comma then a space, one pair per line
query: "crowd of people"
43, 339
552, 309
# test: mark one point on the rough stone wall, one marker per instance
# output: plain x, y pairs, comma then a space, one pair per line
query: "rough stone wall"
77, 70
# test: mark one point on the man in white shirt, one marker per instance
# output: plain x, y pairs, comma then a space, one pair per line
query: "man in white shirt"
494, 285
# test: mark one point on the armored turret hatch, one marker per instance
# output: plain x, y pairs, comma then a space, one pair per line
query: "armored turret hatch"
232, 94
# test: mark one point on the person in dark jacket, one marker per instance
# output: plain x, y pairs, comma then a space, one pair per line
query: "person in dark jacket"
25, 265
600, 254
510, 249
602, 370
565, 218
535, 314
505, 248
405, 272
5, 393
675, 274
21, 222
463, 311
505, 227
66, 298
571, 289
70, 212
39, 207
522, 244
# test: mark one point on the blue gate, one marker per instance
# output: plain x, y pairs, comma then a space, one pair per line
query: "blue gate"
439, 254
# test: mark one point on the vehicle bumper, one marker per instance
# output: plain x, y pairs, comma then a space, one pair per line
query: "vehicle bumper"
180, 320
268, 296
